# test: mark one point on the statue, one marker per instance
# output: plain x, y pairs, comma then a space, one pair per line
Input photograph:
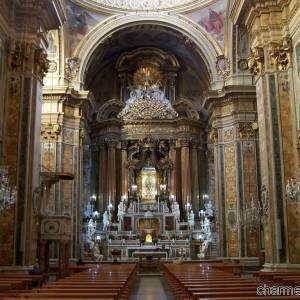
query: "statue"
105, 221
166, 208
91, 228
176, 210
131, 208
191, 219
121, 211
97, 255
209, 209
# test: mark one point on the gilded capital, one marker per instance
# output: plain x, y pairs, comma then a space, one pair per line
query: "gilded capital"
247, 130
111, 142
185, 142
50, 131
280, 53
256, 61
213, 136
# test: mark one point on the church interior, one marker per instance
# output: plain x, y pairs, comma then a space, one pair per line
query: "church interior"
149, 149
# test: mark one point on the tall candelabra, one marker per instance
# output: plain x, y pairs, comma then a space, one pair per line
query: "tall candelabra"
8, 195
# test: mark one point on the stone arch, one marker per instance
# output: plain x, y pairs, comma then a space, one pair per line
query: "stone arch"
109, 107
207, 47
186, 107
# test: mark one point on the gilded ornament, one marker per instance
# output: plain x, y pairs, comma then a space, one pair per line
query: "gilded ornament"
147, 77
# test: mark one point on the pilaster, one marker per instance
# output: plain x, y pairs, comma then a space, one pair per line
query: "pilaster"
269, 31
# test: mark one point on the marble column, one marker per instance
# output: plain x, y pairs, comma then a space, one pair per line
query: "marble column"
102, 177
124, 169
171, 93
194, 177
173, 171
111, 168
185, 172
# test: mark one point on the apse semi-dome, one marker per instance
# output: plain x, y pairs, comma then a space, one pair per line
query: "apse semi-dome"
144, 5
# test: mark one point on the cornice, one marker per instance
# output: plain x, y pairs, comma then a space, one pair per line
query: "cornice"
229, 94
110, 10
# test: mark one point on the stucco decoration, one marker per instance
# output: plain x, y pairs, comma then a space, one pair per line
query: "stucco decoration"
143, 5
147, 104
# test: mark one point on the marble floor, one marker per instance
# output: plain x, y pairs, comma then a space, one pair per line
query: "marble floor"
151, 288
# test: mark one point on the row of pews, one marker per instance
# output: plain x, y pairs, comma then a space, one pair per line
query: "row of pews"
13, 283
105, 281
223, 281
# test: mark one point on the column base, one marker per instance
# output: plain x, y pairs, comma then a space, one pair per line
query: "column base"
244, 261
267, 267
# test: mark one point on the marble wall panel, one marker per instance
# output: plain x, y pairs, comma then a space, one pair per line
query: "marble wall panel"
250, 194
289, 160
231, 197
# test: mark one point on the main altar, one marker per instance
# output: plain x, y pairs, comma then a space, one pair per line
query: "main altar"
147, 194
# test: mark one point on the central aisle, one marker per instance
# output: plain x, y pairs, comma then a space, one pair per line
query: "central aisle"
151, 288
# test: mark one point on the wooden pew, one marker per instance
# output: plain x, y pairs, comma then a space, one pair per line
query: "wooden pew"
104, 282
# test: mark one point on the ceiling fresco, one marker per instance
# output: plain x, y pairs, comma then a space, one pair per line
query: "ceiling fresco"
81, 20
212, 19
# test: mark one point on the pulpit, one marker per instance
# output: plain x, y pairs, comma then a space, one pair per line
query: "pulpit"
55, 228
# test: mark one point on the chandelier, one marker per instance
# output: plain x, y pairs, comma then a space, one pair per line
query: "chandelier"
8, 195
293, 190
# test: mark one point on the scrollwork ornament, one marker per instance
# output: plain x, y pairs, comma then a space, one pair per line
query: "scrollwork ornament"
223, 67
41, 63
72, 67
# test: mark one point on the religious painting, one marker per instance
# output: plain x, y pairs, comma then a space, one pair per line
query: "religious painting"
53, 43
79, 22
127, 224
298, 57
243, 42
148, 185
212, 19
169, 223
